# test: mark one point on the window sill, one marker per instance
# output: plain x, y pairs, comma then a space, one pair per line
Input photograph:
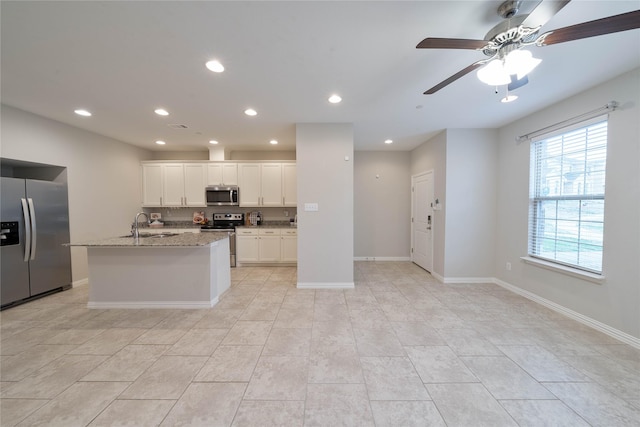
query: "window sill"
580, 274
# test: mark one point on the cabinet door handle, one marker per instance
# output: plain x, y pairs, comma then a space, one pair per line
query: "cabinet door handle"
160, 200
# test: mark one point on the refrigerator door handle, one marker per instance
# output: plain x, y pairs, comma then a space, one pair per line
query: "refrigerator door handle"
32, 213
27, 230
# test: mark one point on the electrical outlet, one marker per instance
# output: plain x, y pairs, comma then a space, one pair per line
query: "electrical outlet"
508, 266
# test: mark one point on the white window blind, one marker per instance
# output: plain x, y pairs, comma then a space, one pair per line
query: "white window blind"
566, 197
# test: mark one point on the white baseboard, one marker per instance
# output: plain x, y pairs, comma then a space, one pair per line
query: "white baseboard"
381, 258
325, 285
585, 320
266, 264
154, 304
81, 282
438, 277
467, 279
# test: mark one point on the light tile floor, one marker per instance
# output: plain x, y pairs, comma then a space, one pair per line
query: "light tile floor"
400, 349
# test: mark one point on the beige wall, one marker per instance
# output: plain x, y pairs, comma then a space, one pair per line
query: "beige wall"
382, 205
615, 302
103, 174
472, 157
179, 155
325, 176
228, 155
432, 156
262, 155
464, 165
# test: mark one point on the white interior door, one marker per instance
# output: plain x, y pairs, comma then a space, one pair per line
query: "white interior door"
422, 220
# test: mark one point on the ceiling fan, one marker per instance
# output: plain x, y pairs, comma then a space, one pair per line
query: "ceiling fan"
503, 43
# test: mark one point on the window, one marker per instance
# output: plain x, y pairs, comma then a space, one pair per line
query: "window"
566, 196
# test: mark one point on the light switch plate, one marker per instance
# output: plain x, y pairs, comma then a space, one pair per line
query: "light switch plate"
311, 207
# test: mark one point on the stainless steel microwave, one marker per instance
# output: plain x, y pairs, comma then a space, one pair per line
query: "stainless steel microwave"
222, 196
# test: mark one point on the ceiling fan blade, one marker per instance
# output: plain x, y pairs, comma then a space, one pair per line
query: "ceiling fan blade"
598, 27
443, 43
455, 77
544, 11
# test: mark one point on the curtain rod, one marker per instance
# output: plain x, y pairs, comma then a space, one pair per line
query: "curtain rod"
611, 106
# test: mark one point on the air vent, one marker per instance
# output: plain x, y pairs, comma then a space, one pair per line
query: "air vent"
176, 126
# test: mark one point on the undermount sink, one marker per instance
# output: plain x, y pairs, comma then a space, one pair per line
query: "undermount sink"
153, 235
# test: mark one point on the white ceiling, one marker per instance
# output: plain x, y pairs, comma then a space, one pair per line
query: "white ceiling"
121, 60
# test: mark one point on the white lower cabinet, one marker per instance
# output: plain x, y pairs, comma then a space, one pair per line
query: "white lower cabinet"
269, 243
266, 245
247, 247
289, 245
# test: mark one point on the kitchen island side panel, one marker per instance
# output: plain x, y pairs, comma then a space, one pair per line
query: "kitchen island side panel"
157, 277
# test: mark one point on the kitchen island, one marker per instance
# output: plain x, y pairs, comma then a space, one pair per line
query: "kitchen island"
189, 270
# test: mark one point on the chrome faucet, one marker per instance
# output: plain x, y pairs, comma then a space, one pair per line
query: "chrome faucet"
134, 227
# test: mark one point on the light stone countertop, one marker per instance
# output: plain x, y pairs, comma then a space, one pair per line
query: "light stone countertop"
182, 239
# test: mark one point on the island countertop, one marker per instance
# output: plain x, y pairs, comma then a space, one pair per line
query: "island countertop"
178, 240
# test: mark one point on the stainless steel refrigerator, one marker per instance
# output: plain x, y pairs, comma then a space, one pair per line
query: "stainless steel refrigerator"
35, 225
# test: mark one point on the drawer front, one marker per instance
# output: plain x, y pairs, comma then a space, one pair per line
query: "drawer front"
269, 232
246, 232
289, 232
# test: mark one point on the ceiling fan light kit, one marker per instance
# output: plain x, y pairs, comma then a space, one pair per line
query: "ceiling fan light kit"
508, 63
494, 74
517, 63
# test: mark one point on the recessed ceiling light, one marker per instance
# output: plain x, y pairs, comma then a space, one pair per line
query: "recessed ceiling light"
160, 142
213, 141
250, 112
273, 142
82, 112
215, 66
161, 112
334, 99
388, 141
509, 98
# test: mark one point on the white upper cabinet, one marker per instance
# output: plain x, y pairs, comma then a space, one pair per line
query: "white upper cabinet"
267, 184
173, 184
289, 185
152, 185
249, 184
222, 174
195, 178
271, 184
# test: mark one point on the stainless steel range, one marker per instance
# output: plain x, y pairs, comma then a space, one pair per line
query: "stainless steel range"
226, 223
